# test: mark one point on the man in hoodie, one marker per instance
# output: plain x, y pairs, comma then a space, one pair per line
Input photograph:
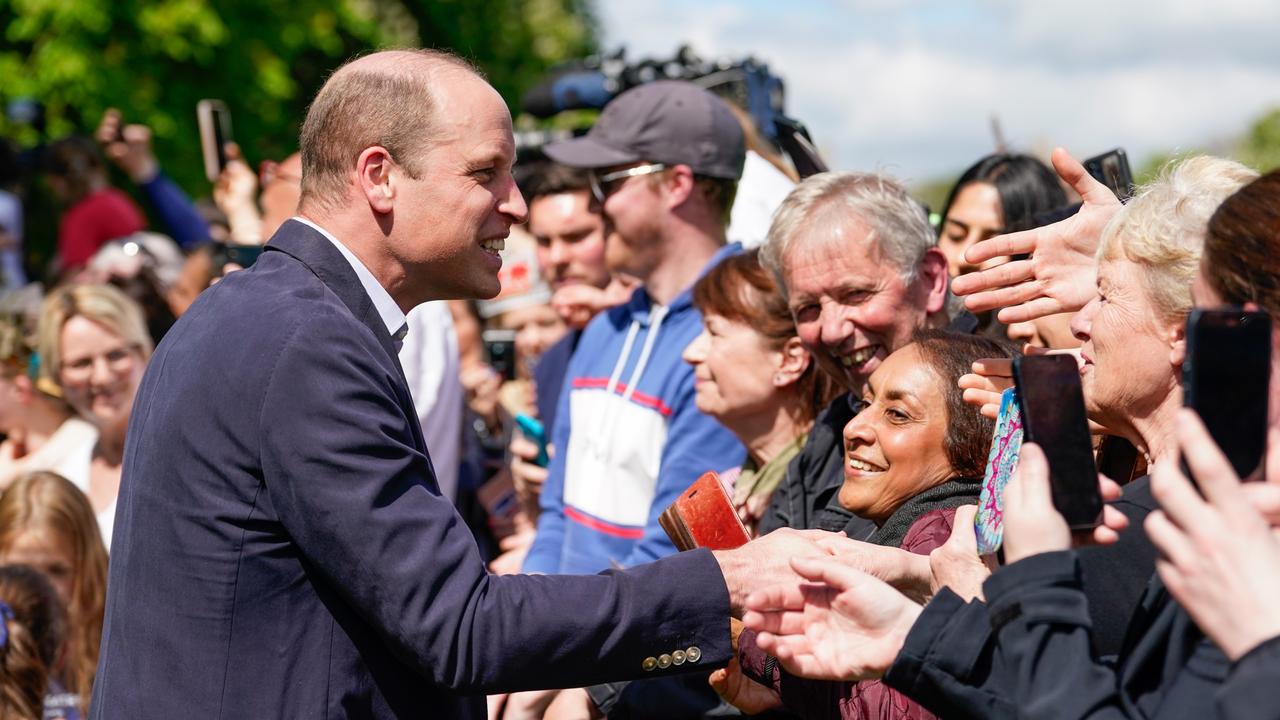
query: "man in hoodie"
663, 162
664, 158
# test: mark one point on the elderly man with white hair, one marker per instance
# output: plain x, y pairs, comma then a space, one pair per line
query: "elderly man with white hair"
860, 267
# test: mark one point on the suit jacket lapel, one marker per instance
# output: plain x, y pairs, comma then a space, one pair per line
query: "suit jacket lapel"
320, 256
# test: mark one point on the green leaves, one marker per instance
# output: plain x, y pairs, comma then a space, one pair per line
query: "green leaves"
154, 59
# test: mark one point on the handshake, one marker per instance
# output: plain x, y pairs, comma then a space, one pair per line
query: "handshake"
830, 607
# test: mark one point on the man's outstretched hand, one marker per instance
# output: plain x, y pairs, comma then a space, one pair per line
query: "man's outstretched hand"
1059, 276
765, 561
841, 625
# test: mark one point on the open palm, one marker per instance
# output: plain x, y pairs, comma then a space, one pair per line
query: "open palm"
1058, 275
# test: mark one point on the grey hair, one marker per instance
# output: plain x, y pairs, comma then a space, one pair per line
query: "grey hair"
1163, 226
899, 225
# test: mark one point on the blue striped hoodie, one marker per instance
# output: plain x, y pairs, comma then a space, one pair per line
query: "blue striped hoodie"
629, 438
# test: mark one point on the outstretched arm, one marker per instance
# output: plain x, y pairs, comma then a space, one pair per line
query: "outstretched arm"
842, 625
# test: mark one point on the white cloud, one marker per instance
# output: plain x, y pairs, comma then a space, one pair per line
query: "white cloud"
912, 91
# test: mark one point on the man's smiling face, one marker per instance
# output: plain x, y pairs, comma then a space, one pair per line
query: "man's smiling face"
852, 306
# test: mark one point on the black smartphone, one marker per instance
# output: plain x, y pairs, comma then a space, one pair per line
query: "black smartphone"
500, 351
1053, 417
1112, 169
242, 255
215, 133
1226, 379
794, 139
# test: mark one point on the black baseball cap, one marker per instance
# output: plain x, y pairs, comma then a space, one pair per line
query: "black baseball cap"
666, 121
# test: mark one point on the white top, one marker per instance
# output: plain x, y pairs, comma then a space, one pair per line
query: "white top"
430, 360
760, 191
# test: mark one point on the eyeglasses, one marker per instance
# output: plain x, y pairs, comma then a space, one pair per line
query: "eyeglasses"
600, 184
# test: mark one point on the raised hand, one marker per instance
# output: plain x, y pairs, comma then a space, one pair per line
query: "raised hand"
577, 304
128, 146
843, 625
1219, 556
1059, 276
982, 387
235, 193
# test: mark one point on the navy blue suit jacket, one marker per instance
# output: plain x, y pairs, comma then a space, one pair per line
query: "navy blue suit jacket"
282, 550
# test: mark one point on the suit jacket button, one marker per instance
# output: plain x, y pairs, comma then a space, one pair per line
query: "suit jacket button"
694, 654
664, 661
649, 664
677, 657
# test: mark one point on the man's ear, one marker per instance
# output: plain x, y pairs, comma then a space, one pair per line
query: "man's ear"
677, 185
376, 175
794, 361
933, 279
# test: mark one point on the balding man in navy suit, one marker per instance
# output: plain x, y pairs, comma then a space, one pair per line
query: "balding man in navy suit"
282, 549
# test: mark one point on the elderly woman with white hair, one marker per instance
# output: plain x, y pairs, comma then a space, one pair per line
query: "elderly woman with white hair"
1041, 652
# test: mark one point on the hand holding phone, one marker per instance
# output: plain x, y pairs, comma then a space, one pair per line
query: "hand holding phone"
1112, 169
215, 133
1053, 412
500, 351
536, 432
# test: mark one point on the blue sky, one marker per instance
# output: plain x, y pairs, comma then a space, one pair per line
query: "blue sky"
910, 86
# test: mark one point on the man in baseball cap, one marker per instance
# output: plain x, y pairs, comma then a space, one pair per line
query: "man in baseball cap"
664, 160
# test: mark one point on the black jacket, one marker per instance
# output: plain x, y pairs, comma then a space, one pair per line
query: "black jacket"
282, 548
1167, 669
809, 496
949, 662
1250, 690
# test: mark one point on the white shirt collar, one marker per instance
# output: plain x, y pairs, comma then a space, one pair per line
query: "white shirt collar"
387, 308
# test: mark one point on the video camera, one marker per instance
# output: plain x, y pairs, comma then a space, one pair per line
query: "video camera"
592, 82
595, 80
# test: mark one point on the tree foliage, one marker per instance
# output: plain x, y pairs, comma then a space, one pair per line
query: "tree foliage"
155, 59
1259, 148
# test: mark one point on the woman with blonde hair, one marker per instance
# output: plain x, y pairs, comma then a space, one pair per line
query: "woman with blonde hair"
94, 344
46, 523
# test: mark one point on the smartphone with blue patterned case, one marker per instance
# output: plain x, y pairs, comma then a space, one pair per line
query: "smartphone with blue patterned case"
1002, 460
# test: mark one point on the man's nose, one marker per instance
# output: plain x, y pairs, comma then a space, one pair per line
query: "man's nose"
513, 204
558, 252
835, 326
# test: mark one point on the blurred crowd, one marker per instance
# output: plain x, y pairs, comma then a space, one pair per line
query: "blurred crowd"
679, 301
